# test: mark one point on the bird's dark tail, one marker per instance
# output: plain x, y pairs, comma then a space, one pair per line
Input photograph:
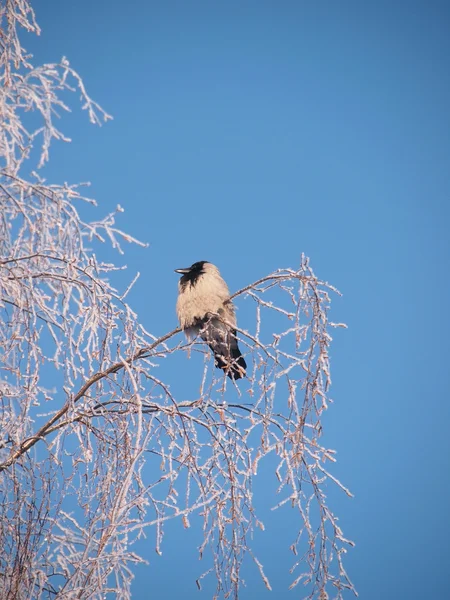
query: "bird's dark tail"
235, 367
223, 342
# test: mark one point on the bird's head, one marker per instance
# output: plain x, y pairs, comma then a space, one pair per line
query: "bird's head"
195, 269
192, 273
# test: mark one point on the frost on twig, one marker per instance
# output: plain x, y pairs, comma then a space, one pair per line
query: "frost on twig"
83, 407
27, 89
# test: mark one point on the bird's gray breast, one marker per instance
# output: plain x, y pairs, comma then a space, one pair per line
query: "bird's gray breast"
209, 294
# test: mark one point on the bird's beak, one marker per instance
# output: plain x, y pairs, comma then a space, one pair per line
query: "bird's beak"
182, 271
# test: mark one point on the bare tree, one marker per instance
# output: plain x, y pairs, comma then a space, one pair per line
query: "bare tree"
82, 408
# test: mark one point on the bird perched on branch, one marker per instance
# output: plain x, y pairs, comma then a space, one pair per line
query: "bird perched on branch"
204, 308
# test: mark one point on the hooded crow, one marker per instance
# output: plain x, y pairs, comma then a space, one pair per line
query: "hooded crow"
204, 308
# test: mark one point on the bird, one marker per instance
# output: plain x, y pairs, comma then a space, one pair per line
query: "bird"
204, 308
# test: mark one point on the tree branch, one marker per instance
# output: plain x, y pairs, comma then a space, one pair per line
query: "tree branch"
47, 428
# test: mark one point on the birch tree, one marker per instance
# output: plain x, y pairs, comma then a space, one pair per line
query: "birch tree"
82, 408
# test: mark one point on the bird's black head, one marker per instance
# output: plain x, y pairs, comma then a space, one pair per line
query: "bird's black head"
192, 273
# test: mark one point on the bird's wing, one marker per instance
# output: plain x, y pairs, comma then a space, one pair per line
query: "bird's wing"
221, 338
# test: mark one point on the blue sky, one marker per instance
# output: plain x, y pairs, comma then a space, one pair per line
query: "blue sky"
246, 133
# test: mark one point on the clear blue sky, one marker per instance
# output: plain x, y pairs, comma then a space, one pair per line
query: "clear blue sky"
245, 133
